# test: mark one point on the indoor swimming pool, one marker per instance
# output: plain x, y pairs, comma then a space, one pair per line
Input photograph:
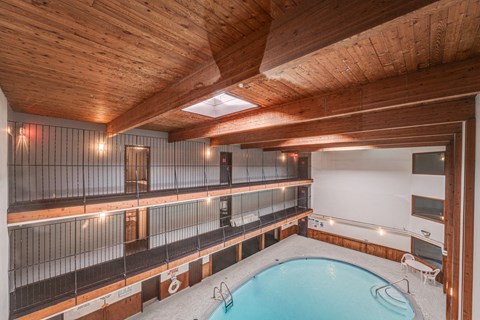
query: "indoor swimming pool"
315, 288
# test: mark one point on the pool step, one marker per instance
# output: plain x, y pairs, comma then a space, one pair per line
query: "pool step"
391, 299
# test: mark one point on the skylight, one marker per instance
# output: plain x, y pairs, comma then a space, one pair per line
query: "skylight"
220, 105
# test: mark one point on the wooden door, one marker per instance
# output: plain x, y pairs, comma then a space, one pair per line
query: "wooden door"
151, 289
136, 230
302, 200
303, 168
225, 211
195, 272
303, 226
225, 167
137, 167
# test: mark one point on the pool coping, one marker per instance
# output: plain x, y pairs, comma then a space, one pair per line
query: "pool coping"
409, 296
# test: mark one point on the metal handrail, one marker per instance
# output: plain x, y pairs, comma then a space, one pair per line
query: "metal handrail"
224, 297
373, 226
228, 289
392, 283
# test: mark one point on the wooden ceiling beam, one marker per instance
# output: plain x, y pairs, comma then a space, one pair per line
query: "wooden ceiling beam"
442, 139
428, 114
438, 83
383, 146
301, 33
423, 131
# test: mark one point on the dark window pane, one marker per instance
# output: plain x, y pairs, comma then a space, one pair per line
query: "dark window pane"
429, 163
428, 252
428, 208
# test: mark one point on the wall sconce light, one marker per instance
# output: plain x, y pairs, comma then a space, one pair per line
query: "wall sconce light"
283, 188
208, 153
208, 199
381, 231
331, 222
22, 139
101, 147
425, 233
101, 215
283, 157
442, 158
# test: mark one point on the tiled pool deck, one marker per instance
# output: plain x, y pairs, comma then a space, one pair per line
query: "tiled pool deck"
197, 303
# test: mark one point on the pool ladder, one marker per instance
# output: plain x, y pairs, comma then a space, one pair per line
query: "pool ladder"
223, 293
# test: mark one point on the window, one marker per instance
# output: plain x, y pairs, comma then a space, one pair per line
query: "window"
429, 163
428, 208
427, 252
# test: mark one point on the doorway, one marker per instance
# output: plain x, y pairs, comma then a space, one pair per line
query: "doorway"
225, 167
303, 167
151, 290
137, 163
302, 200
225, 211
136, 230
303, 226
195, 272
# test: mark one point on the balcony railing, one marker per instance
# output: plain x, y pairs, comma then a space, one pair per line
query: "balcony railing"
51, 166
52, 262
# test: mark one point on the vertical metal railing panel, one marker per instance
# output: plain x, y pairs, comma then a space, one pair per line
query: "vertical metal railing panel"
240, 168
42, 264
99, 250
181, 233
209, 224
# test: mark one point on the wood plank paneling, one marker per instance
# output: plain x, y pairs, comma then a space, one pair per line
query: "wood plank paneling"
94, 62
125, 308
365, 247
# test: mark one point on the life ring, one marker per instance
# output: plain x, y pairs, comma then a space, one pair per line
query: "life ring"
174, 285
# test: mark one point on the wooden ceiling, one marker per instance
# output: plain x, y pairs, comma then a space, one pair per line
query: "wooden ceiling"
94, 60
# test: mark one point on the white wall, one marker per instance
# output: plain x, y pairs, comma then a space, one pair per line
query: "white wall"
374, 186
4, 305
476, 256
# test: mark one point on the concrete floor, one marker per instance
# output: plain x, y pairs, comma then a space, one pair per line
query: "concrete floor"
196, 302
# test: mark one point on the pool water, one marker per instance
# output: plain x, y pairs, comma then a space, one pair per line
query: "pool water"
315, 289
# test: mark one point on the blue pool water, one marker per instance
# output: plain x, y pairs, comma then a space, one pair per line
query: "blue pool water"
317, 289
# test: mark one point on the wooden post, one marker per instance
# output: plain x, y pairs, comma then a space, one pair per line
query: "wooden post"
239, 251
262, 241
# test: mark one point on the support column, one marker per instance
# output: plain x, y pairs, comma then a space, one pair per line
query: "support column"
476, 223
239, 252
468, 220
4, 295
206, 267
262, 241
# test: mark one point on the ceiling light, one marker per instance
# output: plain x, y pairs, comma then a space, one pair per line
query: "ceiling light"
220, 105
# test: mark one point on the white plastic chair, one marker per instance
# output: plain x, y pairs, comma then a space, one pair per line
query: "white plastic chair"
431, 276
403, 262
